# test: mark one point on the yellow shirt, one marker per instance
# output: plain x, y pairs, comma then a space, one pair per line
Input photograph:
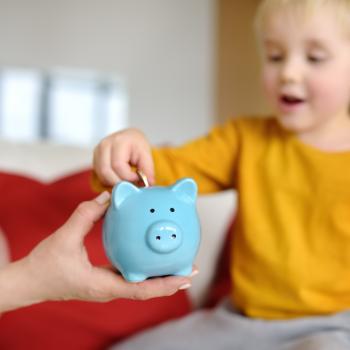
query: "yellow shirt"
291, 245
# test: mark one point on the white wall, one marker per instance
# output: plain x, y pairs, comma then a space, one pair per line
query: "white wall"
163, 48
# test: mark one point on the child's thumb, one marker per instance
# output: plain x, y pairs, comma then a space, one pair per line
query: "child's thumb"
147, 167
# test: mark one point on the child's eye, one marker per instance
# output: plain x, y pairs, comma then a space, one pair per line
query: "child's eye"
315, 58
275, 58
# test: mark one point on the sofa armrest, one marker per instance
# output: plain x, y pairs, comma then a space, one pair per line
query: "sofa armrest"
215, 212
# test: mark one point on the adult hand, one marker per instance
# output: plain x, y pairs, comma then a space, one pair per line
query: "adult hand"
58, 268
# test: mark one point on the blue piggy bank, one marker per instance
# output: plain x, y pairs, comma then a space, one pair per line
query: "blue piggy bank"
152, 231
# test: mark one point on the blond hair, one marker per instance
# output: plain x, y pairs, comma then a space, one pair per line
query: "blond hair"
304, 8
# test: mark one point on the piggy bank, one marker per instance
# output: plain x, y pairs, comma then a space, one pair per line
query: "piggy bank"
152, 231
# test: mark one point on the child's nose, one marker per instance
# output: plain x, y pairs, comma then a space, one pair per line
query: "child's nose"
291, 71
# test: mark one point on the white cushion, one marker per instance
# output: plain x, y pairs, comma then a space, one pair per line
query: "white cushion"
43, 160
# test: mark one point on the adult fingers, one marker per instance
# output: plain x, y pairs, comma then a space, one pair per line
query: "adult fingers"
108, 284
85, 215
152, 288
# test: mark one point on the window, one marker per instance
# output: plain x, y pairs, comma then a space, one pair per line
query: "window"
61, 106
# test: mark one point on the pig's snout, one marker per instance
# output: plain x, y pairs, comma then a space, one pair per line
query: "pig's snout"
164, 236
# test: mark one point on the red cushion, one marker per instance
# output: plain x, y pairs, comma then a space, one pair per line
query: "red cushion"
29, 211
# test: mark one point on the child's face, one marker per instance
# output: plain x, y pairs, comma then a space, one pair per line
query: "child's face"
306, 69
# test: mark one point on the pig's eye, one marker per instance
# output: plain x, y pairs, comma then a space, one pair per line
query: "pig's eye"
172, 209
152, 210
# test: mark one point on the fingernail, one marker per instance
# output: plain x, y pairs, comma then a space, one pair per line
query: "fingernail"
194, 273
185, 286
103, 198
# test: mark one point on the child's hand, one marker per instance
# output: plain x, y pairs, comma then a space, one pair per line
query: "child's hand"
117, 153
59, 268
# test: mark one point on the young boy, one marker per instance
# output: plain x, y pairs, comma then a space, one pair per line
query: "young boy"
290, 263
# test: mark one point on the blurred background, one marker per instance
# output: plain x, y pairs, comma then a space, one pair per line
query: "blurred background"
72, 71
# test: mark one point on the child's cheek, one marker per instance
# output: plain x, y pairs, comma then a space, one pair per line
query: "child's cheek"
330, 94
269, 84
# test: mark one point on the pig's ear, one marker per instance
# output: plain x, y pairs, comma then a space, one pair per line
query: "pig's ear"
185, 188
122, 191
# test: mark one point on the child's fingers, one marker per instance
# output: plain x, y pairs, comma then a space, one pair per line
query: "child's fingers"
145, 164
102, 166
120, 162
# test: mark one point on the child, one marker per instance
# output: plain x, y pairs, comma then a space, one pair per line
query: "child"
290, 265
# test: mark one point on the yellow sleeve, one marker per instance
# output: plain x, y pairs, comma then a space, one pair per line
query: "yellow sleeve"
96, 184
209, 160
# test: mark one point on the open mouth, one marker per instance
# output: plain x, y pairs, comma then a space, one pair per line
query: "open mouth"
291, 100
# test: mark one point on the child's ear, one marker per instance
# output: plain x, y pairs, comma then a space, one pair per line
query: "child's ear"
122, 191
186, 188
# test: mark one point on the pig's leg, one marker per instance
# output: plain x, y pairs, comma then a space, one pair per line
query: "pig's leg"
184, 272
134, 277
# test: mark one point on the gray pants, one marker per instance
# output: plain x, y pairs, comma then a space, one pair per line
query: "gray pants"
224, 328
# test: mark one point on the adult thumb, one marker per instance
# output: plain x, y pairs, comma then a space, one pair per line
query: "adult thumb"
86, 214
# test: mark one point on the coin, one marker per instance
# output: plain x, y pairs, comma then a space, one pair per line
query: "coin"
143, 178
